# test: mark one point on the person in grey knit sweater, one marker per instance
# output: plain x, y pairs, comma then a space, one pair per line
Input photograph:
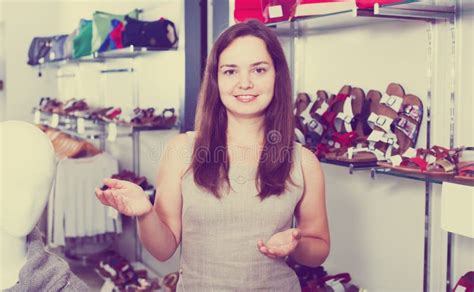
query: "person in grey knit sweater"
44, 271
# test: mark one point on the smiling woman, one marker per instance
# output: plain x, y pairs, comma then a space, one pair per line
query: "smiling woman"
246, 75
231, 203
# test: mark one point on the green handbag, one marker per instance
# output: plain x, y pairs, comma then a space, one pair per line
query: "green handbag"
102, 26
82, 41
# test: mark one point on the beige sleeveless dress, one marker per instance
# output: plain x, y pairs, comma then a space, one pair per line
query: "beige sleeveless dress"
219, 237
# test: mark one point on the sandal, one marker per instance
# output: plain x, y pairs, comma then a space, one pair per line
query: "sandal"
368, 149
166, 120
50, 105
385, 139
313, 123
97, 113
142, 116
408, 123
301, 103
112, 114
348, 121
170, 281
336, 109
437, 162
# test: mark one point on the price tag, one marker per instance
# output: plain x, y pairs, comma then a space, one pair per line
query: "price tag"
54, 121
80, 126
112, 132
275, 11
37, 118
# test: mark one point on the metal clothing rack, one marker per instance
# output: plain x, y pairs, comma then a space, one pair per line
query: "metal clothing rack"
431, 14
101, 130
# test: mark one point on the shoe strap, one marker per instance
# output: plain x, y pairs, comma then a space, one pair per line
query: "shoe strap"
346, 116
380, 121
346, 139
387, 138
315, 126
306, 114
322, 108
420, 162
392, 101
413, 111
407, 127
378, 154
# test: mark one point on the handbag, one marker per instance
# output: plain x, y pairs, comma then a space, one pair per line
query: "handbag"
82, 41
102, 26
114, 39
154, 34
39, 50
69, 44
57, 48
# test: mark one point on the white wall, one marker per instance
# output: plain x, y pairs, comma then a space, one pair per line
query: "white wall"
21, 24
160, 79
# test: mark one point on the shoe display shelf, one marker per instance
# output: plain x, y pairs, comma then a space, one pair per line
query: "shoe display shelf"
431, 13
358, 17
104, 131
374, 170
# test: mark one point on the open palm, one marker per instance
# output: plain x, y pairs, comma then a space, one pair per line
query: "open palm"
281, 244
124, 196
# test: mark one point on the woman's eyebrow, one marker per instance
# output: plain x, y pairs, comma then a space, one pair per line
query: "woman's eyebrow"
259, 63
251, 65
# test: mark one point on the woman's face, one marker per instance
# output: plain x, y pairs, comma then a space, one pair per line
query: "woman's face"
246, 77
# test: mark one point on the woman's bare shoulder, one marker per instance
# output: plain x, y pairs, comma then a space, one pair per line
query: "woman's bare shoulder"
181, 140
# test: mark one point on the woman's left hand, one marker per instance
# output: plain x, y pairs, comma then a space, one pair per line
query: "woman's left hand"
280, 244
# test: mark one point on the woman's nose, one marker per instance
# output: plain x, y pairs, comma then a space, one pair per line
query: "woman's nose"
245, 82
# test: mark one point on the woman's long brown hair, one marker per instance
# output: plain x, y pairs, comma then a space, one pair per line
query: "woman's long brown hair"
210, 164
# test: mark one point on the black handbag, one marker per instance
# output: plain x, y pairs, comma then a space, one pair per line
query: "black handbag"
39, 50
160, 34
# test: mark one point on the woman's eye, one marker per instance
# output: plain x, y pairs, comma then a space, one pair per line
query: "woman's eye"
260, 70
229, 72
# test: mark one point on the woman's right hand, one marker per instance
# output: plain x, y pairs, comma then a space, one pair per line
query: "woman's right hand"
124, 196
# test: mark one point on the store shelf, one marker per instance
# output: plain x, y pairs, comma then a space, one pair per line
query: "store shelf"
375, 170
424, 177
89, 136
360, 17
128, 52
412, 176
350, 166
65, 120
64, 62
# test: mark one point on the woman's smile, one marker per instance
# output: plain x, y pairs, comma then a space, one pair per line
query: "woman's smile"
246, 98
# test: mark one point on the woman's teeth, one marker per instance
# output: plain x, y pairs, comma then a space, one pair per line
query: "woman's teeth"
246, 98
